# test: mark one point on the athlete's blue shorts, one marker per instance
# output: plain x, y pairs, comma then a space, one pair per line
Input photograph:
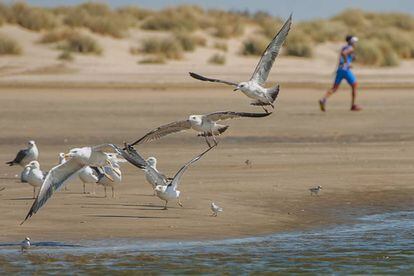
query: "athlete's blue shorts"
345, 74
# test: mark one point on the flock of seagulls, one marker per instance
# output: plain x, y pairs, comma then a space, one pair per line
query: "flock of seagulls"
100, 165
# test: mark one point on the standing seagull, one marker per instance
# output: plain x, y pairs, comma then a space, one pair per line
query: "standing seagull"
89, 175
205, 125
35, 176
254, 87
157, 178
59, 175
114, 171
167, 190
25, 156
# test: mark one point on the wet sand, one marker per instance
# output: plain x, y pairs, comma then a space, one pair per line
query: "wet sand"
364, 161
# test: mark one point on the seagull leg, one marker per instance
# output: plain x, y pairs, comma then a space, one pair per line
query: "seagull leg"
214, 139
179, 203
265, 109
34, 192
105, 191
165, 206
84, 188
207, 141
113, 192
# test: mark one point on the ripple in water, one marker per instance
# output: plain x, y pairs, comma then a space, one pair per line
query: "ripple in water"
377, 244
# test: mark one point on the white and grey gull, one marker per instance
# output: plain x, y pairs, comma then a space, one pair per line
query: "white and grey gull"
206, 125
25, 156
77, 159
254, 88
166, 188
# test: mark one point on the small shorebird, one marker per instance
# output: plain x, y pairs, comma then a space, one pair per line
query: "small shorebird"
206, 125
166, 191
25, 245
248, 163
315, 190
254, 87
216, 209
25, 156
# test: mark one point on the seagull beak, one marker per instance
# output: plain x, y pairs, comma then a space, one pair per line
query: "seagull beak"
235, 89
66, 155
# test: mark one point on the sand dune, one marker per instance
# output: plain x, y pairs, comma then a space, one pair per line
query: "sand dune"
118, 67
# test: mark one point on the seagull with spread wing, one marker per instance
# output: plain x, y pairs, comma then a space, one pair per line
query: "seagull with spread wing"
77, 159
206, 125
254, 87
166, 188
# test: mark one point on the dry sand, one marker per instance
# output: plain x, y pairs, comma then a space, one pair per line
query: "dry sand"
117, 67
364, 161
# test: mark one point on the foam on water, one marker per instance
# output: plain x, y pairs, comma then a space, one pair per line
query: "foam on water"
377, 244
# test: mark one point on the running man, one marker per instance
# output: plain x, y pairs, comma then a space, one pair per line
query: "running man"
344, 72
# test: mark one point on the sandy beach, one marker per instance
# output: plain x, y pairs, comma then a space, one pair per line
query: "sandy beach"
364, 161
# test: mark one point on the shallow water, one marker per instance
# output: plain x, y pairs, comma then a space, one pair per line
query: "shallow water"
375, 244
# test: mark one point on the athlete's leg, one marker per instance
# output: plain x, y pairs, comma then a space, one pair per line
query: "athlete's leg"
334, 88
354, 88
351, 79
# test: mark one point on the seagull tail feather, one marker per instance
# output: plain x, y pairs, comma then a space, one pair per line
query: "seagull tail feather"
31, 212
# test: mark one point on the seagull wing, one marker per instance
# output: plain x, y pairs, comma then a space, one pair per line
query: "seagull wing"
179, 174
268, 57
54, 180
105, 147
202, 78
133, 157
163, 131
21, 155
225, 115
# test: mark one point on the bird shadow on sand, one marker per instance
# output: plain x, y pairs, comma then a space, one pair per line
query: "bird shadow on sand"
21, 198
132, 217
142, 207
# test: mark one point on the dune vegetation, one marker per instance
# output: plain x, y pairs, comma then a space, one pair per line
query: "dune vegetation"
386, 38
9, 46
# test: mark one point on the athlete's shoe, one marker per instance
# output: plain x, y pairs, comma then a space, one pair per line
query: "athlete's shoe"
322, 103
356, 108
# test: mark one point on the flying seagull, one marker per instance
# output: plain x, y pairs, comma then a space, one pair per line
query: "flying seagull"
205, 125
167, 187
77, 159
254, 87
25, 156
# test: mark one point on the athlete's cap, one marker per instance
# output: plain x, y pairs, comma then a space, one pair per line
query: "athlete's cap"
351, 39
